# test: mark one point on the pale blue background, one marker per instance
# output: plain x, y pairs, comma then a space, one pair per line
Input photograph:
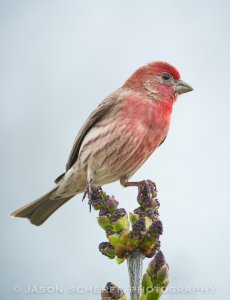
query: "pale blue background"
58, 60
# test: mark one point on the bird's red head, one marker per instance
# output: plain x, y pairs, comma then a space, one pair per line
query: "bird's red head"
158, 80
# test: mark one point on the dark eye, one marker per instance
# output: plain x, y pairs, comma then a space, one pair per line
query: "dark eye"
166, 76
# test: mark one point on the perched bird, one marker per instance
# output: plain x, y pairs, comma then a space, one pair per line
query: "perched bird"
117, 138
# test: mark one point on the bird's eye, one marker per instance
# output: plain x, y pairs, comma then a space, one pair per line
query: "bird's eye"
166, 76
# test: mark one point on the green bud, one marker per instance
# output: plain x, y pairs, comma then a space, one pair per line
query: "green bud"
158, 272
148, 222
114, 239
104, 222
118, 293
124, 236
121, 224
105, 295
149, 252
107, 249
153, 204
162, 274
133, 217
97, 204
134, 241
120, 260
149, 242
155, 295
120, 251
146, 282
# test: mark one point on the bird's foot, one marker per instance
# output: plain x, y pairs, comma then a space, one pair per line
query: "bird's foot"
93, 192
144, 186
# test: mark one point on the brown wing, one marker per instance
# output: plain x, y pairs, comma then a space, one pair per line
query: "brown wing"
93, 118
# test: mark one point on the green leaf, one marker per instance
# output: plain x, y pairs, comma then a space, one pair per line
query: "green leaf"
104, 222
103, 196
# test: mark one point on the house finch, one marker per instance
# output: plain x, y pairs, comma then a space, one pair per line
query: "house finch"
117, 138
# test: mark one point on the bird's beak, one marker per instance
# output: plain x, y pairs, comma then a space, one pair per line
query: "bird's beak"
182, 87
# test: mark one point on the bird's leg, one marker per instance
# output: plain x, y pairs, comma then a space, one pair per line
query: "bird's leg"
93, 192
146, 185
88, 192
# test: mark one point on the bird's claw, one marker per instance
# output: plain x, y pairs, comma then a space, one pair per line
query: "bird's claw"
147, 187
88, 192
92, 192
144, 187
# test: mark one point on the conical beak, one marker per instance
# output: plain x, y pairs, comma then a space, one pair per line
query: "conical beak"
182, 87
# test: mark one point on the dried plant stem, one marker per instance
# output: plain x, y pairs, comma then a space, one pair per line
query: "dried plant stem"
135, 266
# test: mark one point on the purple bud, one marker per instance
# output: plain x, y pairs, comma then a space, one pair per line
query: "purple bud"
147, 193
107, 249
104, 212
149, 253
156, 228
109, 287
97, 203
144, 200
150, 212
157, 246
118, 213
157, 202
157, 262
103, 246
154, 203
113, 291
111, 203
138, 228
109, 232
139, 211
139, 225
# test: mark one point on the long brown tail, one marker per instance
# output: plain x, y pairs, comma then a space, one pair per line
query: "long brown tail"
39, 210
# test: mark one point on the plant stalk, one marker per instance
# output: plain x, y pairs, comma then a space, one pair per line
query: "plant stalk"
135, 266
